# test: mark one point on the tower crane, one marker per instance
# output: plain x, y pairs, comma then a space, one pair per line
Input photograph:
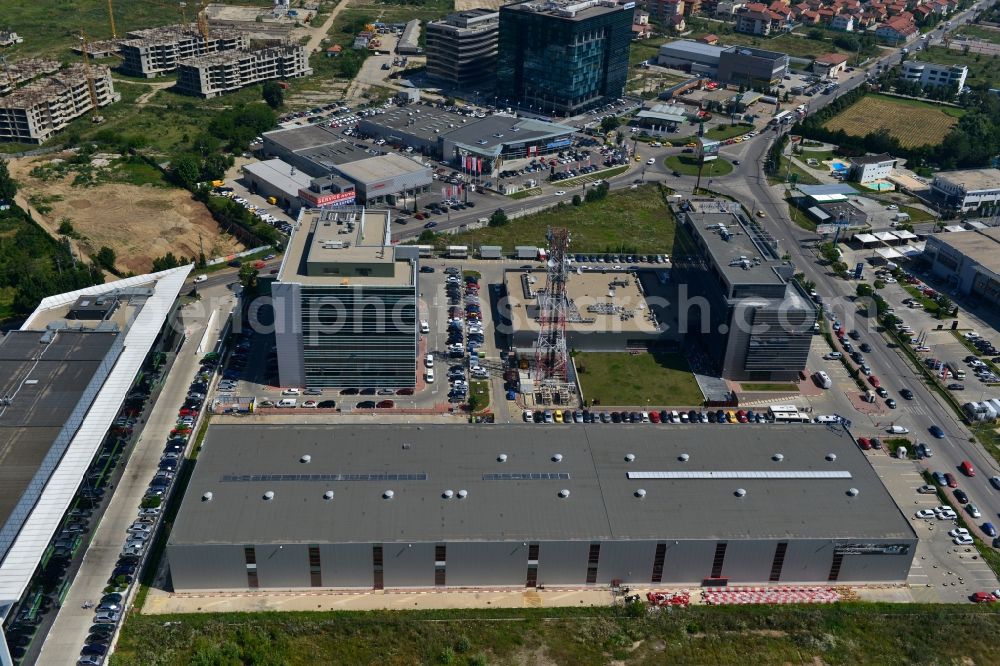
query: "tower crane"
91, 87
111, 17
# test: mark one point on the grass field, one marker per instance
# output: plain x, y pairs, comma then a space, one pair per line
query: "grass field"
913, 123
982, 68
770, 386
849, 633
981, 33
688, 166
637, 220
800, 218
643, 380
722, 132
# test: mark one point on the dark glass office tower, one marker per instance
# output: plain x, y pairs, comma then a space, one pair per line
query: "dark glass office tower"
561, 58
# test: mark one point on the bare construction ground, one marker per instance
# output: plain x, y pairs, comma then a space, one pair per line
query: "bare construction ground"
138, 222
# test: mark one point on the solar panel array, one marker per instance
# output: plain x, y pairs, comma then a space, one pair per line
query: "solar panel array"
528, 476
252, 478
738, 474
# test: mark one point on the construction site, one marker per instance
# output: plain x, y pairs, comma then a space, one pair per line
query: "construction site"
35, 111
216, 74
158, 51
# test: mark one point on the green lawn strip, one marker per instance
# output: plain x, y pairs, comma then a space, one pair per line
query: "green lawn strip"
625, 221
917, 215
844, 633
818, 155
769, 386
980, 33
688, 166
481, 389
929, 304
800, 218
641, 380
723, 132
524, 194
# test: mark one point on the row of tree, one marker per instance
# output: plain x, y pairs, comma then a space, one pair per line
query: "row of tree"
32, 263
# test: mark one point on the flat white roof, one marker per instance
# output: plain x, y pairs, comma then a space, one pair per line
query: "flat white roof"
27, 550
905, 235
886, 236
865, 238
888, 253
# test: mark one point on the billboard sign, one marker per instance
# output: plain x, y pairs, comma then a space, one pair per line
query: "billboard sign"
559, 143
709, 150
331, 199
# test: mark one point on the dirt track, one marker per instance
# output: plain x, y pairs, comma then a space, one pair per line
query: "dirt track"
138, 223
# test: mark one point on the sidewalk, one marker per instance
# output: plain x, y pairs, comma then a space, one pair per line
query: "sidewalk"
65, 639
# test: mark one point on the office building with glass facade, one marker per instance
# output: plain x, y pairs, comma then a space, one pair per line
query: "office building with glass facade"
744, 310
345, 308
560, 58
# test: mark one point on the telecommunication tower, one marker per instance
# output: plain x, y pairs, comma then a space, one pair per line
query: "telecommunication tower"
551, 358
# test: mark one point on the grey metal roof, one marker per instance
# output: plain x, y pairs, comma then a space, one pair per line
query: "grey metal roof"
39, 410
482, 134
688, 47
602, 503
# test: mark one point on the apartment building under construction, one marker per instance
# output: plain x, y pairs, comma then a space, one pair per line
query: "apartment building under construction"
22, 71
219, 73
157, 51
36, 111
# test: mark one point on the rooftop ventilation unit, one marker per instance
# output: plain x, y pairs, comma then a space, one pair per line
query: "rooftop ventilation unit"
269, 495
462, 494
640, 493
502, 457
853, 492
305, 459
328, 495
448, 494
740, 492
683, 457
564, 493
388, 494
830, 457
207, 497
557, 457
777, 457
629, 457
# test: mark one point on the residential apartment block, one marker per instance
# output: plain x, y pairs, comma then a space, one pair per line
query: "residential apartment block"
22, 71
36, 111
932, 75
759, 19
462, 49
897, 30
157, 51
563, 57
664, 10
219, 73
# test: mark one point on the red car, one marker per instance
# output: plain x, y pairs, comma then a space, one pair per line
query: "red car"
951, 480
982, 598
654, 417
385, 404
741, 416
967, 468
873, 380
865, 443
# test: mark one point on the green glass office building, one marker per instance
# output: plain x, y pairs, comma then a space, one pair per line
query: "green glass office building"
563, 58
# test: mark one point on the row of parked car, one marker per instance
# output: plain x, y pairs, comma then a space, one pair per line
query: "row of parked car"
281, 225
661, 416
140, 534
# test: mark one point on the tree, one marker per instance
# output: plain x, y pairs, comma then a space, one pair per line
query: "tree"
577, 200
610, 123
475, 403
498, 218
66, 227
829, 252
864, 290
166, 262
427, 237
186, 170
815, 34
248, 275
105, 258
8, 188
273, 94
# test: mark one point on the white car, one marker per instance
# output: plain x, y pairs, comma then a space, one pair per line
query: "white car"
833, 356
529, 416
974, 511
429, 360
963, 541
651, 161
947, 515
897, 430
291, 391
201, 278
925, 513
958, 532
429, 375
560, 193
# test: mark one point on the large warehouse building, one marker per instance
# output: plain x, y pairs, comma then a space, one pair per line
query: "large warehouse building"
970, 260
393, 506
453, 137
